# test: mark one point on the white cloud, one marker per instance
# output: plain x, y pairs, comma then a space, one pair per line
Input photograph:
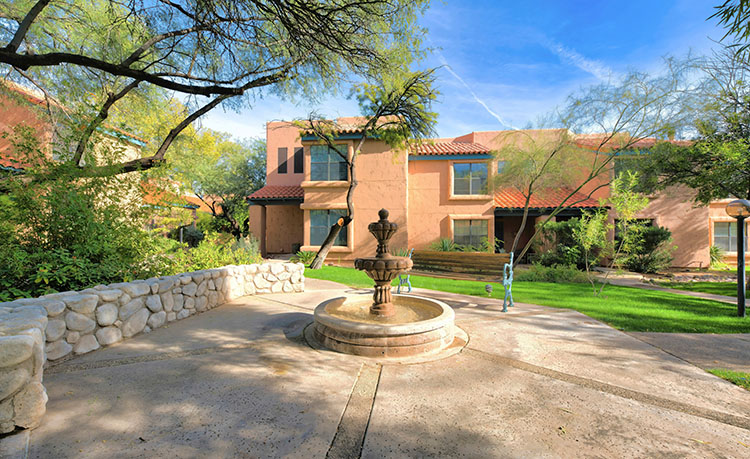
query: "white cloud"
598, 69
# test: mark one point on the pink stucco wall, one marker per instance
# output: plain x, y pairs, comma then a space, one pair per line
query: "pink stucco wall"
382, 183
281, 134
432, 209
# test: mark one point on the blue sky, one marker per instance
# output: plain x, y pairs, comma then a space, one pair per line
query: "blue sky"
506, 63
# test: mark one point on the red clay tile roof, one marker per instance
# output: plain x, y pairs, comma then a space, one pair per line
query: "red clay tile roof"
278, 192
511, 198
450, 148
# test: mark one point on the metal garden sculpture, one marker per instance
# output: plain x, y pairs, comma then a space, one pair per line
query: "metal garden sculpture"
404, 279
508, 283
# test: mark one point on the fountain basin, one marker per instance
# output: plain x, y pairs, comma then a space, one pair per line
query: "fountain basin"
419, 326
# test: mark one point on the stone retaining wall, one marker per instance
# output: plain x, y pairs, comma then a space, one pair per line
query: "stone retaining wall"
80, 322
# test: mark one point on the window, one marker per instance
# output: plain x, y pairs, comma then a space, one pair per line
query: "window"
725, 236
500, 166
282, 160
326, 164
469, 232
321, 222
299, 160
469, 178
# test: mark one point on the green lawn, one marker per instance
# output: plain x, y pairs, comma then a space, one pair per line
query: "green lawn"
716, 288
735, 377
625, 308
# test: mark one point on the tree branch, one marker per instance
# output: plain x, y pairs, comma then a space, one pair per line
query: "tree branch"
103, 114
23, 28
25, 61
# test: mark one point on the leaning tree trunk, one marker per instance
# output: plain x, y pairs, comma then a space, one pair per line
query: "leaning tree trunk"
320, 258
521, 228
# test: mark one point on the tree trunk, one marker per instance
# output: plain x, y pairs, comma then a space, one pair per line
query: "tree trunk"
320, 258
521, 228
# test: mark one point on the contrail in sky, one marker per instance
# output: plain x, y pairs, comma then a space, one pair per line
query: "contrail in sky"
473, 94
571, 56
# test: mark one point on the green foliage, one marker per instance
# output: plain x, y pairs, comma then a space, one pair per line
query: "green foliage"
223, 173
556, 273
214, 251
562, 248
304, 257
444, 244
716, 255
400, 252
651, 250
69, 236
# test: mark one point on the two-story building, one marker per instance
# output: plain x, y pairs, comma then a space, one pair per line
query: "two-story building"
439, 190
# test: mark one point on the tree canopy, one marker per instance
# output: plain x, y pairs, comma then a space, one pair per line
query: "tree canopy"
210, 52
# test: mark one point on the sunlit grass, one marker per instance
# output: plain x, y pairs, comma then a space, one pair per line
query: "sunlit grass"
716, 288
625, 308
735, 377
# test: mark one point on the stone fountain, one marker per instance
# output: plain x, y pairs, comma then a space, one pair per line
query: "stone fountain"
384, 325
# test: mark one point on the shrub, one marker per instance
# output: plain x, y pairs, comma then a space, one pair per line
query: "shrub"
557, 273
652, 252
444, 245
716, 255
303, 257
558, 245
68, 235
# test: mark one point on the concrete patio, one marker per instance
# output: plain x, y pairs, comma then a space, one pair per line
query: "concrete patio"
240, 381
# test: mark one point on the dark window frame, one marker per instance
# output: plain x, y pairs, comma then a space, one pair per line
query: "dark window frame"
471, 239
335, 166
482, 189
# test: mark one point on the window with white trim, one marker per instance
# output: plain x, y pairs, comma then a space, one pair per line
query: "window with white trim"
469, 232
321, 222
725, 236
469, 178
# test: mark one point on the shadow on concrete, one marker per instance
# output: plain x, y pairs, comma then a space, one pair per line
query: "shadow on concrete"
270, 395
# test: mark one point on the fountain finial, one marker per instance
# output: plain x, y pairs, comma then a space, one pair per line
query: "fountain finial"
383, 230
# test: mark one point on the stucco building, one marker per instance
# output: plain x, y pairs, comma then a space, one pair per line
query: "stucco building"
437, 191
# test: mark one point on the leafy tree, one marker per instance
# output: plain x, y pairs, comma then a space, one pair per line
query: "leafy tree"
596, 124
593, 228
223, 173
397, 111
717, 164
735, 16
212, 53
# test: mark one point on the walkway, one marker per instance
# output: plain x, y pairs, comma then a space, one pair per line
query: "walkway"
630, 282
239, 381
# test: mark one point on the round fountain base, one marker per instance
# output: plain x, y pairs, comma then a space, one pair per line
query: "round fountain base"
419, 326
